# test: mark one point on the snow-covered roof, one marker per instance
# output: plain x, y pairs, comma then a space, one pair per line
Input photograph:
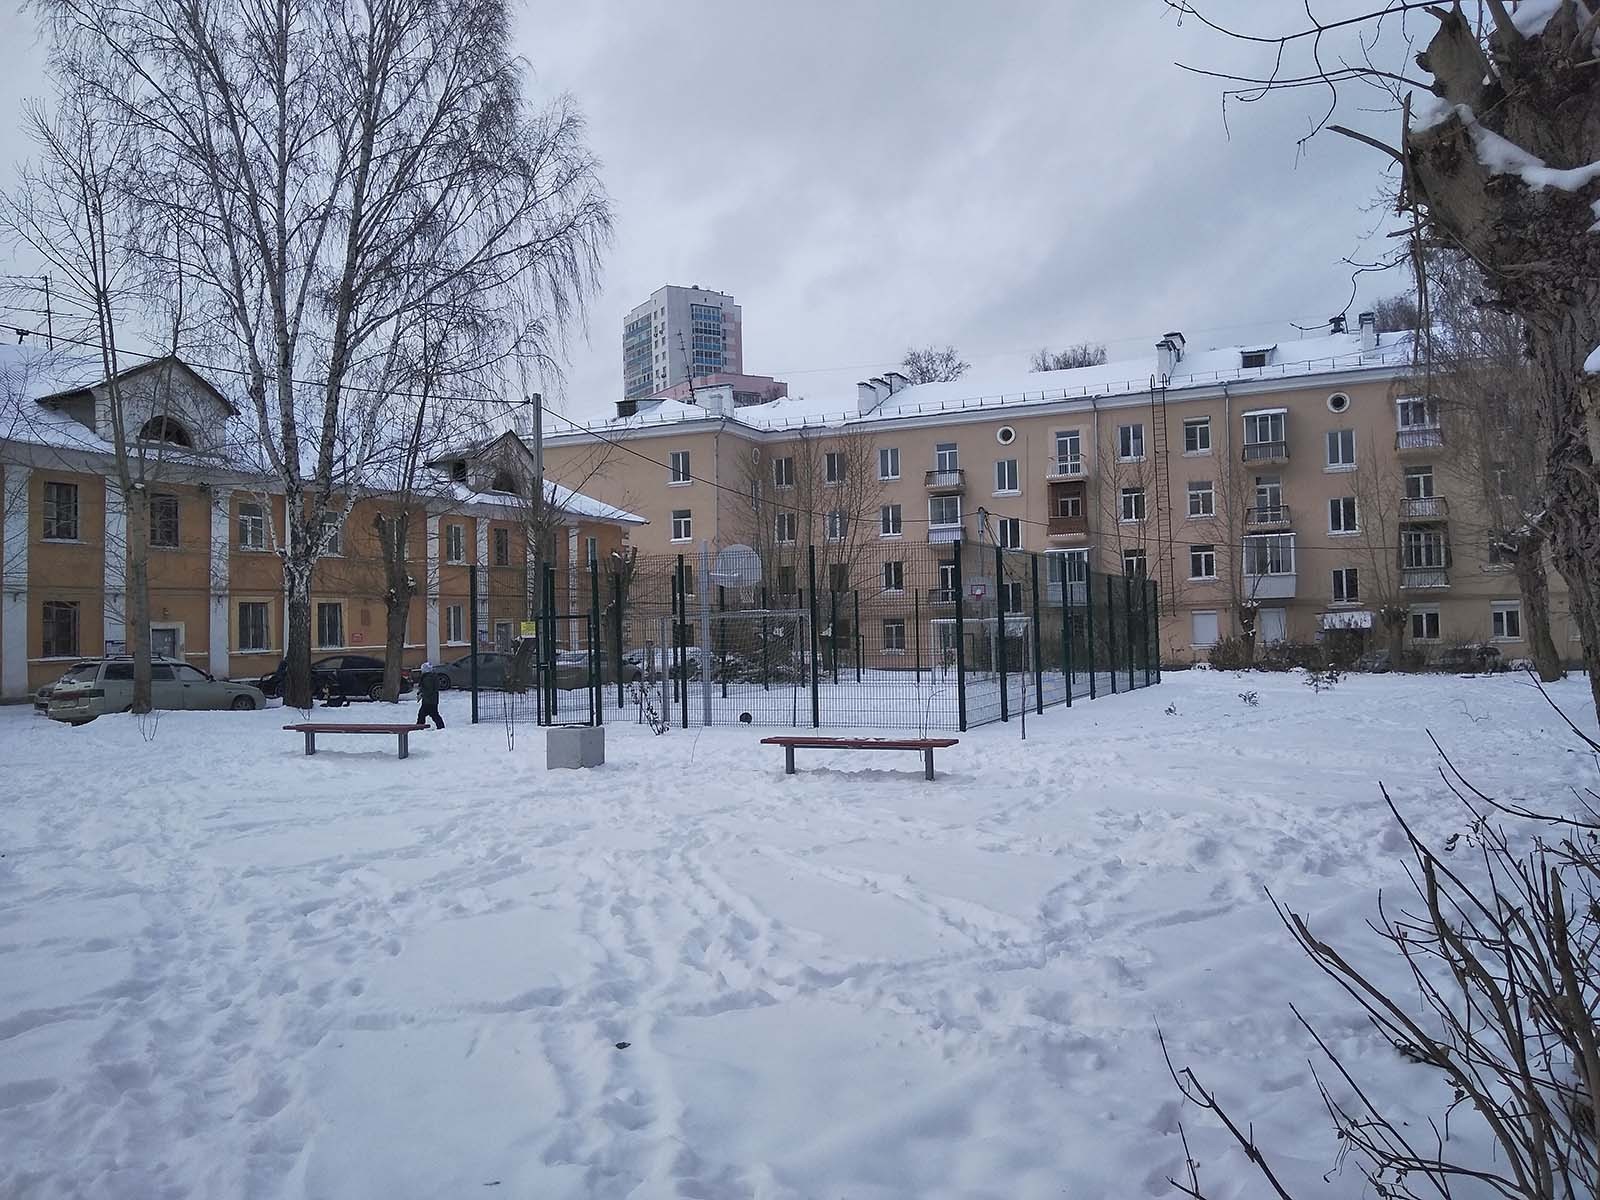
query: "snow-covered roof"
1327, 354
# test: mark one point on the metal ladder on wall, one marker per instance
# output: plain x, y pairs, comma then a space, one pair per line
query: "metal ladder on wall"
1163, 495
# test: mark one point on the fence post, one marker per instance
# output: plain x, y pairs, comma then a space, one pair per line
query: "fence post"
1127, 614
1038, 649
764, 635
833, 630
472, 608
916, 637
961, 644
680, 639
1088, 623
1111, 634
722, 636
549, 625
1000, 631
1155, 616
855, 628
599, 700
811, 591
1066, 628
616, 607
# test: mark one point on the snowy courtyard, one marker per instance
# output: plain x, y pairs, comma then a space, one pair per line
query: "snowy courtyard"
227, 969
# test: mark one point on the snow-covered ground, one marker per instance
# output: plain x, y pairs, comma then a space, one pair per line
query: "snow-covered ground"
230, 970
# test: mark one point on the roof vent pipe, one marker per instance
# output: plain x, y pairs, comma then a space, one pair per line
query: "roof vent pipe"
1369, 332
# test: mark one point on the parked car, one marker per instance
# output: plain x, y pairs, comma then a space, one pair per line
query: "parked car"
81, 670
350, 675
106, 686
1470, 656
494, 668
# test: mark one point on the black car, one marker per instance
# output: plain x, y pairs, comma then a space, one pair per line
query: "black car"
349, 675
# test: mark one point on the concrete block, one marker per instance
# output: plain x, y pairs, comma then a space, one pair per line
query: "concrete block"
574, 746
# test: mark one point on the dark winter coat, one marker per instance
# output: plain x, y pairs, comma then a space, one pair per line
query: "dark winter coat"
428, 688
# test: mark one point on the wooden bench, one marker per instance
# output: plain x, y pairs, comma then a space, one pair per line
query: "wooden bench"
926, 745
312, 728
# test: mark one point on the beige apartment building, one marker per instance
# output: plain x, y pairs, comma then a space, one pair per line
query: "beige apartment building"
1304, 481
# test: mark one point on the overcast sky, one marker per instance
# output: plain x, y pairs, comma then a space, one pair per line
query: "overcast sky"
865, 175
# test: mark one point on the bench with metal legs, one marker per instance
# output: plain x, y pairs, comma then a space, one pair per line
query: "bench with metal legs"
312, 728
924, 745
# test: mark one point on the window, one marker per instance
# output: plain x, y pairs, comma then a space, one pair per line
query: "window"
682, 526
1506, 621
947, 581
784, 528
833, 466
1419, 483
163, 519
1202, 498
1197, 437
835, 525
1417, 413
164, 429
1069, 452
1069, 504
454, 627
1346, 587
1342, 515
1249, 359
1067, 566
1422, 548
894, 635
1425, 624
330, 623
888, 462
839, 577
1202, 562
786, 576
455, 543
1005, 476
783, 472
60, 628
894, 576
60, 512
678, 467
1133, 562
1011, 595
332, 534
503, 481
591, 548
502, 547
1203, 629
1130, 442
1341, 448
944, 510
1009, 532
889, 520
1132, 504
253, 631
1264, 428
1269, 554
458, 470
945, 458
252, 526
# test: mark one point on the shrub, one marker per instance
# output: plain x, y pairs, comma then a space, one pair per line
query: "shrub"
1231, 653
1286, 656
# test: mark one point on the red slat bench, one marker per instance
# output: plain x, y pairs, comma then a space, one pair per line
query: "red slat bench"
312, 728
926, 745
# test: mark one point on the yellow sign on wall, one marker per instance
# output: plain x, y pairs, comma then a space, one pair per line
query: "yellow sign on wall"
530, 629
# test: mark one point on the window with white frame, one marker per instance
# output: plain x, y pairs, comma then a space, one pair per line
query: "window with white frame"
1069, 451
833, 466
1133, 561
455, 627
1342, 515
1425, 624
60, 513
894, 635
1202, 562
332, 535
1197, 435
1346, 585
330, 623
889, 521
1341, 448
1005, 477
591, 550
1132, 504
835, 525
682, 525
1202, 498
784, 525
945, 458
252, 526
1415, 412
1009, 532
1419, 483
1265, 428
254, 633
455, 543
1203, 629
1011, 595
1067, 566
1069, 504
679, 467
1421, 549
888, 462
783, 472
894, 575
947, 581
1505, 620
1130, 442
1269, 554
944, 510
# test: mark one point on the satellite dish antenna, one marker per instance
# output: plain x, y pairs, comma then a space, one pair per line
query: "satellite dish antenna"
737, 566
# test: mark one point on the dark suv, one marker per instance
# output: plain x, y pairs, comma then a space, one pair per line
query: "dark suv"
346, 674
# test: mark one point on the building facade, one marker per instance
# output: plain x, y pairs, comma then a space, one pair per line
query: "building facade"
1306, 487
678, 334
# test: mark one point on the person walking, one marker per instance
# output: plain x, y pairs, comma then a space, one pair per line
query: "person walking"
428, 690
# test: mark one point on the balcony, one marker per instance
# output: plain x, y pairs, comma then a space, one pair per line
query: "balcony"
1424, 508
1065, 468
1419, 437
938, 596
1424, 578
1077, 594
1267, 516
946, 481
940, 534
1266, 452
1269, 587
1068, 527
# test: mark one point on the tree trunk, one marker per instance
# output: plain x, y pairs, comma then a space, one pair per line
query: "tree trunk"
1394, 629
297, 640
1535, 587
136, 604
394, 538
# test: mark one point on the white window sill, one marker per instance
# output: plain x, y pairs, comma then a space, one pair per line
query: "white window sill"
1009, 492
455, 562
1138, 459
1500, 641
1202, 579
681, 541
1338, 468
888, 478
251, 549
1202, 645
1355, 603
891, 537
48, 541
457, 642
1197, 453
1344, 533
55, 658
781, 542
679, 482
1201, 517
1130, 521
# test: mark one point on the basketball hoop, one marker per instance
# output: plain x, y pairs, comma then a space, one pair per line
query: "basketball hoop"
977, 590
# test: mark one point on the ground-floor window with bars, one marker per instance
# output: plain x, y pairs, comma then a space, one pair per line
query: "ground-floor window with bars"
60, 628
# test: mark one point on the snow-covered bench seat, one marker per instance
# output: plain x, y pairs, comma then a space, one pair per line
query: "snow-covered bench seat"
926, 745
312, 728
